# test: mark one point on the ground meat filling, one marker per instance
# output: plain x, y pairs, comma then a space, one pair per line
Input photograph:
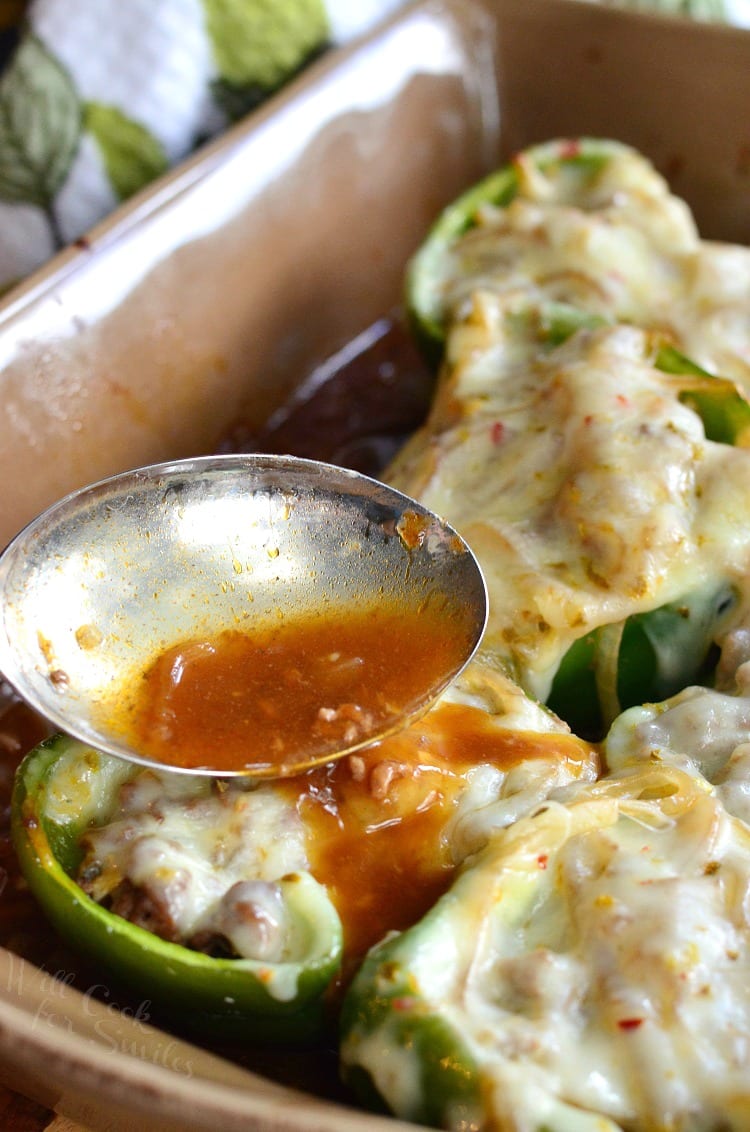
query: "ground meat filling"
197, 863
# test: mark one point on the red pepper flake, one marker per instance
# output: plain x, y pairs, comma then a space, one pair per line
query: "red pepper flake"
542, 860
497, 432
622, 400
588, 419
630, 1023
403, 1003
570, 148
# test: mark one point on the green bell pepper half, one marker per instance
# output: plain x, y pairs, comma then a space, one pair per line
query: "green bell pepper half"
653, 654
578, 163
405, 1047
659, 651
223, 998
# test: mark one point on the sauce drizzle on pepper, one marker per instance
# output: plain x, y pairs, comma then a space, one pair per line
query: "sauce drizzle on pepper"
376, 820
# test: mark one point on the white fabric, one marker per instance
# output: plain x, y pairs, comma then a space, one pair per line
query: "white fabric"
349, 18
151, 59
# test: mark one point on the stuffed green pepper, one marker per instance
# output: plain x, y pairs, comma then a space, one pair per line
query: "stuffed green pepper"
589, 431
587, 972
192, 893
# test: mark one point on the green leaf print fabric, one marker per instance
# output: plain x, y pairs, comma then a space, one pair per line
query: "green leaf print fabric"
99, 99
40, 125
132, 155
263, 43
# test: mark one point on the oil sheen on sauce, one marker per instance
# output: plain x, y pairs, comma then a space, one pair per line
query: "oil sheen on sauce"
259, 701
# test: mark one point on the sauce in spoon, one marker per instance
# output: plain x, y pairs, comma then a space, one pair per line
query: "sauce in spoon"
252, 700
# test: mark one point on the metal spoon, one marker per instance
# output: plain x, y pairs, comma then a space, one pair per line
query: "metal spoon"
120, 571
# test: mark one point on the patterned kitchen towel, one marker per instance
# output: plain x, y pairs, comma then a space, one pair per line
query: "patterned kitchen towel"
98, 97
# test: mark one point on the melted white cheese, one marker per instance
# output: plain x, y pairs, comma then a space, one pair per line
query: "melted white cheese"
594, 960
621, 246
207, 857
587, 489
628, 990
704, 732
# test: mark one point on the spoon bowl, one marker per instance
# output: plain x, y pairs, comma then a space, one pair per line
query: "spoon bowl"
157, 565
